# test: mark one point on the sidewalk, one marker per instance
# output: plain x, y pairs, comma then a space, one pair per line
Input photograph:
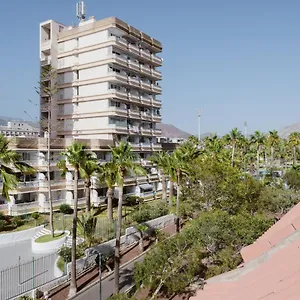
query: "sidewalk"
90, 278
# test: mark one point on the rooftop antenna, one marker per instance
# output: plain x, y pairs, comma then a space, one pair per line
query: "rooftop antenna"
80, 11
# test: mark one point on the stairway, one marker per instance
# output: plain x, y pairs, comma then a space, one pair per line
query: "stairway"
68, 242
44, 231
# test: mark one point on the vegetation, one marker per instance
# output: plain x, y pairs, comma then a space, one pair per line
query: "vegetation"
87, 227
66, 209
48, 237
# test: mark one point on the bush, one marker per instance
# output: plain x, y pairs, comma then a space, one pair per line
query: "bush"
66, 209
132, 200
3, 224
17, 221
65, 252
149, 212
292, 178
35, 215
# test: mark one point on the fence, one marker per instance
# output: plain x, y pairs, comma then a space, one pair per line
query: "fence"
19, 279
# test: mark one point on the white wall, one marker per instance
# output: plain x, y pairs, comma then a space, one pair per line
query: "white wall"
67, 45
93, 39
93, 89
95, 72
67, 61
93, 123
93, 56
67, 93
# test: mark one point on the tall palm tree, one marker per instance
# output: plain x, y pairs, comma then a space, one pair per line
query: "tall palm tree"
273, 141
181, 161
161, 160
124, 161
258, 139
294, 142
87, 170
108, 174
232, 137
10, 166
76, 156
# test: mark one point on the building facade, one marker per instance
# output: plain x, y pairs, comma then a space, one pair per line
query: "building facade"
19, 128
105, 90
107, 80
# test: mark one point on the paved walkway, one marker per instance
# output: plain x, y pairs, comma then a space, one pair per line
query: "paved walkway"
126, 281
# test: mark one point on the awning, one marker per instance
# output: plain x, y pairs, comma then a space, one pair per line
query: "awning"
146, 187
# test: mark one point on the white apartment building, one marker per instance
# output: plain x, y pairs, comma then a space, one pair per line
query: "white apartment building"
19, 128
107, 82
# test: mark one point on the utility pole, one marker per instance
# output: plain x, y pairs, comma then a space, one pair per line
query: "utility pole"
199, 124
245, 129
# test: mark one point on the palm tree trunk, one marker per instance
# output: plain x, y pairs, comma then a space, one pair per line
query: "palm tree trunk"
294, 156
164, 188
88, 195
272, 156
232, 154
73, 283
171, 192
118, 240
49, 183
178, 202
109, 195
257, 161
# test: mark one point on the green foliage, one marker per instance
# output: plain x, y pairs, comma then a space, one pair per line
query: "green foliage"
87, 226
35, 215
132, 200
65, 253
292, 178
148, 212
17, 221
3, 224
121, 296
66, 209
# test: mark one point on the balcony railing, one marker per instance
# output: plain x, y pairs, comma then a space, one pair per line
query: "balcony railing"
134, 81
133, 49
133, 65
155, 59
156, 88
156, 74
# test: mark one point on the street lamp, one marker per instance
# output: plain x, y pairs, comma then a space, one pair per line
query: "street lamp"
100, 267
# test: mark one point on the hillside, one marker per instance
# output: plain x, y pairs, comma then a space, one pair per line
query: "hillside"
285, 131
170, 131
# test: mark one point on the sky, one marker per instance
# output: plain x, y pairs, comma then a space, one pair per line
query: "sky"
235, 60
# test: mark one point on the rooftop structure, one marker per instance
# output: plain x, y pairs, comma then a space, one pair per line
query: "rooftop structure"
19, 128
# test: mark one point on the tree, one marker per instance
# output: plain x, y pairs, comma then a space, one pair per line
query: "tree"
180, 162
76, 156
88, 169
108, 174
161, 160
87, 226
10, 165
233, 137
142, 228
273, 141
294, 142
258, 139
124, 161
47, 90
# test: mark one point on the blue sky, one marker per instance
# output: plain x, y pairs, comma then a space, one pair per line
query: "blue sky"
235, 60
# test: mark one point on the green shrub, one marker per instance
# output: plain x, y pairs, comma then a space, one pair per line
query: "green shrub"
132, 200
35, 215
65, 252
17, 221
3, 224
66, 209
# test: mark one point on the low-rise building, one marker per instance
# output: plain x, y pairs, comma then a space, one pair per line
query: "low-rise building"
19, 128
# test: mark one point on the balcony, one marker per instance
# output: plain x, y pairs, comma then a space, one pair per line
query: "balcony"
133, 49
146, 100
156, 60
156, 132
120, 94
156, 74
156, 118
156, 88
145, 70
118, 59
133, 65
146, 116
146, 85
134, 98
156, 103
45, 45
134, 81
121, 43
145, 54
46, 61
146, 131
145, 146
118, 128
119, 111
134, 113
133, 129
44, 107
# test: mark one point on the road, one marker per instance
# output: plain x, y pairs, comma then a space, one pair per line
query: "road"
126, 281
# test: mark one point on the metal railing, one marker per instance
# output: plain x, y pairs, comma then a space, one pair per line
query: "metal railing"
24, 277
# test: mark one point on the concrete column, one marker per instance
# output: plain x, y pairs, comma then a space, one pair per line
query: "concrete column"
94, 197
11, 204
41, 197
69, 197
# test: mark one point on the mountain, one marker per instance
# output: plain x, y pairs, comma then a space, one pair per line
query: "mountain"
170, 131
4, 120
285, 131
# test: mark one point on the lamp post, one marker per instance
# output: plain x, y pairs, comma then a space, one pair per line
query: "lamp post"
199, 124
100, 283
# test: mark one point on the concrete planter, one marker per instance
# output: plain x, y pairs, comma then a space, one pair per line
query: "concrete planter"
47, 247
